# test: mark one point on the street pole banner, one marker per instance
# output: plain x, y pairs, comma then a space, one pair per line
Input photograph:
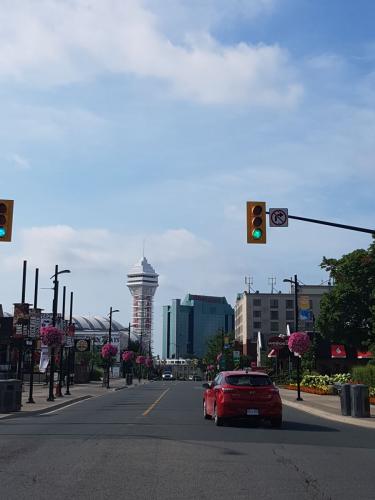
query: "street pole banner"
35, 322
21, 318
44, 359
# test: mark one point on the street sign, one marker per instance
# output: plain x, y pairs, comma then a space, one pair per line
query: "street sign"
236, 355
277, 342
278, 217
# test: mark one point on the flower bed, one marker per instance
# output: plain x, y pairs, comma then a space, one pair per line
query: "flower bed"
311, 390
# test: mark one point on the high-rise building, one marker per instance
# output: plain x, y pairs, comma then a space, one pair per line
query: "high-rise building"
188, 325
142, 283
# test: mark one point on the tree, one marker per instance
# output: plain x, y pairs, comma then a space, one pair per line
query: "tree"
347, 313
215, 347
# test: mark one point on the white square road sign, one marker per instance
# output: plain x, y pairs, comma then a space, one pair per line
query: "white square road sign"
278, 217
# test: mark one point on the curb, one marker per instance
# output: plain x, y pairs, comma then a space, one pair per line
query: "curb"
369, 423
22, 414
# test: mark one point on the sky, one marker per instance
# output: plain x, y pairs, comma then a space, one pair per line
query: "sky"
131, 124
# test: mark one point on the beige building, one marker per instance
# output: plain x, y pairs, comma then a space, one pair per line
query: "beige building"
270, 313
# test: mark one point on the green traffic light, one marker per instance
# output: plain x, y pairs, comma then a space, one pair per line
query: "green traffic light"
257, 234
3, 232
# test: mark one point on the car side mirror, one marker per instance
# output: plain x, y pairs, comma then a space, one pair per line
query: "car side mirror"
206, 385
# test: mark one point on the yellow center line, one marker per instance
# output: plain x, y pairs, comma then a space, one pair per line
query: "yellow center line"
154, 403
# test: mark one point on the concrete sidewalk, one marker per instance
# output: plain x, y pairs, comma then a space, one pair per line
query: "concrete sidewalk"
328, 407
78, 392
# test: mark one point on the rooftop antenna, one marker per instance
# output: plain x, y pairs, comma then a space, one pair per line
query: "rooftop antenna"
143, 247
272, 282
249, 282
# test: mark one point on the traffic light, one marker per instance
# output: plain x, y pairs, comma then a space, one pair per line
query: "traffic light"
6, 218
256, 222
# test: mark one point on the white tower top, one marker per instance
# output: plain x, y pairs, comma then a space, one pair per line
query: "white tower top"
142, 283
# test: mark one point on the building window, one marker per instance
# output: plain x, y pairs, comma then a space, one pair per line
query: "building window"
257, 325
257, 302
275, 315
289, 315
257, 314
274, 326
274, 303
290, 304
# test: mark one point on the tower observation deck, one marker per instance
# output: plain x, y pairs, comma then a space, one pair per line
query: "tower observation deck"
142, 283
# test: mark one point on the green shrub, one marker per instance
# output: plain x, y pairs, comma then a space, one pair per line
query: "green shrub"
364, 375
96, 374
321, 381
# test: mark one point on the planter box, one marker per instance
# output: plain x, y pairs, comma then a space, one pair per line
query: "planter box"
310, 390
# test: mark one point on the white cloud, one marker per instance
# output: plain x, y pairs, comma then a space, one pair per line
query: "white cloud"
19, 162
59, 42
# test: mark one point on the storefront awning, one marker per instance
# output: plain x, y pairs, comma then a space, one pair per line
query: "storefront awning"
338, 351
364, 355
272, 354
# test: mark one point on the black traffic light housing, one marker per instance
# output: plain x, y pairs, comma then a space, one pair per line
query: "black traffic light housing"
256, 222
6, 220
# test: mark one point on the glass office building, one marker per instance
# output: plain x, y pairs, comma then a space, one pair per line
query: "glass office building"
188, 324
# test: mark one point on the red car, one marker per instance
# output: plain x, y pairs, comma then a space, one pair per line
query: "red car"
244, 394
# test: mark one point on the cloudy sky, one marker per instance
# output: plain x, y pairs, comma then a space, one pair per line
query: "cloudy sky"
131, 122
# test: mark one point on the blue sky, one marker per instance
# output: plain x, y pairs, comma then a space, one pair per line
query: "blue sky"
158, 119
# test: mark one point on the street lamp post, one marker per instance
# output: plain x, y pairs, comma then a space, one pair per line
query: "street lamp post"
69, 356
54, 316
111, 311
296, 315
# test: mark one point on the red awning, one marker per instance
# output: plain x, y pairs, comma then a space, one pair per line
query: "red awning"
272, 354
364, 355
338, 351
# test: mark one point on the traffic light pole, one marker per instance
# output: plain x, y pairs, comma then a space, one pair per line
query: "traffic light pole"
333, 224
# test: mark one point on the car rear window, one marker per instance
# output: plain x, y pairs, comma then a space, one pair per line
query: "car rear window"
252, 380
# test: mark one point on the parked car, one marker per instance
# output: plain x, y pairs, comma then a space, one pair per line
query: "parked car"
195, 377
242, 394
167, 376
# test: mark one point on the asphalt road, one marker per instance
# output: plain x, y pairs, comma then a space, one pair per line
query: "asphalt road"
151, 442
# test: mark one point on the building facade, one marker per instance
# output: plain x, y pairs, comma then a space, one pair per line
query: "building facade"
142, 283
272, 313
188, 324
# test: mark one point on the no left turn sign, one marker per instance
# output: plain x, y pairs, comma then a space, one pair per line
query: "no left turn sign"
278, 217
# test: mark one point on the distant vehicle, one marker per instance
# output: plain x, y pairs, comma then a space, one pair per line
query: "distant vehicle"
167, 376
195, 378
242, 394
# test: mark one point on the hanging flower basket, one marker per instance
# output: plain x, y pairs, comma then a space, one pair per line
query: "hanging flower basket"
128, 356
140, 360
108, 351
51, 336
149, 362
299, 343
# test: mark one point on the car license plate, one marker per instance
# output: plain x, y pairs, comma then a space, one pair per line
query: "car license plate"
252, 412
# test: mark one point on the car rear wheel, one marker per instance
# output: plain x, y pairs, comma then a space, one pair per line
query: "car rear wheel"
276, 422
205, 414
219, 421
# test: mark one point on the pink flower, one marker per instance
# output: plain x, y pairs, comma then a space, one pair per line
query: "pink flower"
299, 343
128, 356
140, 360
51, 336
149, 362
108, 351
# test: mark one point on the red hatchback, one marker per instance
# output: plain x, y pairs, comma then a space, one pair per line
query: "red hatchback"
244, 394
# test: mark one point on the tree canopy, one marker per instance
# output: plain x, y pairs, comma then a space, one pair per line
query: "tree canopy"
347, 313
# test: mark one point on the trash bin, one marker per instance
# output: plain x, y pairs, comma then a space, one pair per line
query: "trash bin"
10, 395
360, 400
129, 379
345, 399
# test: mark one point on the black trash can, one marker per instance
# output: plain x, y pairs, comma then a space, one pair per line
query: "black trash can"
360, 401
129, 378
10, 395
345, 399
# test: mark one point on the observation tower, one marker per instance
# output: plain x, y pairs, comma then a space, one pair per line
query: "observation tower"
142, 283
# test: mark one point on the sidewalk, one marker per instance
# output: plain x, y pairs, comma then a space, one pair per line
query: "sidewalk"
328, 407
78, 392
